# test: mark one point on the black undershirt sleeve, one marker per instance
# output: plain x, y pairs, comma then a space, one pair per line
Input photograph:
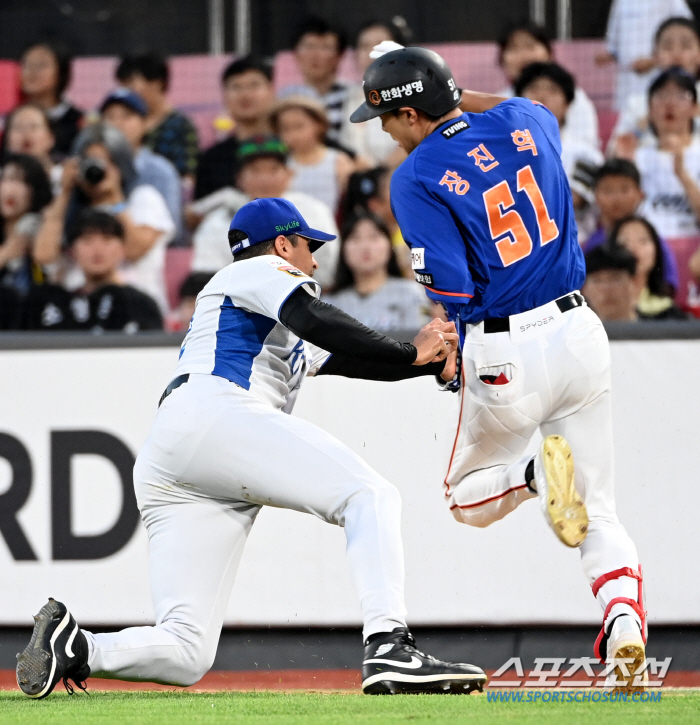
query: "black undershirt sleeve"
356, 350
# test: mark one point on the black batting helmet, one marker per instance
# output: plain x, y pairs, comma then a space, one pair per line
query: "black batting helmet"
414, 77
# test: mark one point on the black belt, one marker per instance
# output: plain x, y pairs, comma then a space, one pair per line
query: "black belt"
502, 324
174, 385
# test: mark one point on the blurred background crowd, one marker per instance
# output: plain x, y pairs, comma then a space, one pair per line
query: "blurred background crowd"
113, 216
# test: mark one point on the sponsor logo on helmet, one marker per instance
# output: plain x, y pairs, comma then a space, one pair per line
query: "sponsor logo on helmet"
454, 129
375, 98
403, 91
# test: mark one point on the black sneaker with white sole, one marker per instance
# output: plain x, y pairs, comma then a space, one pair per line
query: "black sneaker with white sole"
57, 651
393, 665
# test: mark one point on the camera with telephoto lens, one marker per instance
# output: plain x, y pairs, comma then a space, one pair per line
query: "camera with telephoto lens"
92, 171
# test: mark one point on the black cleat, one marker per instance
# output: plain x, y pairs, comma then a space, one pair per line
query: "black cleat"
57, 650
393, 665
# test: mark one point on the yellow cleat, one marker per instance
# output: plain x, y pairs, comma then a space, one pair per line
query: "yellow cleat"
562, 506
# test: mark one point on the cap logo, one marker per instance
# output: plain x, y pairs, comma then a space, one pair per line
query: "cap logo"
286, 227
375, 98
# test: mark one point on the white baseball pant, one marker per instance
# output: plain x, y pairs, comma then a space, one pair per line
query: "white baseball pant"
559, 375
215, 455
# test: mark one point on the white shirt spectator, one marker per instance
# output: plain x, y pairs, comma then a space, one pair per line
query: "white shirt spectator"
581, 120
666, 204
147, 207
632, 25
573, 153
318, 180
210, 240
399, 304
368, 139
635, 117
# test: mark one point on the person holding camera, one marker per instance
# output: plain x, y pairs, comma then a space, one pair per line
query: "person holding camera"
101, 175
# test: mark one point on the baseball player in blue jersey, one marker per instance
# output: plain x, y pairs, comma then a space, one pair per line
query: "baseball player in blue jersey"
484, 204
223, 445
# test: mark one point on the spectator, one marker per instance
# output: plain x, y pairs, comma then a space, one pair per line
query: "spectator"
670, 164
46, 73
189, 290
102, 176
677, 44
104, 302
630, 35
368, 281
24, 191
611, 288
527, 43
368, 139
318, 49
635, 234
28, 131
248, 95
618, 195
262, 173
320, 171
168, 132
554, 87
126, 111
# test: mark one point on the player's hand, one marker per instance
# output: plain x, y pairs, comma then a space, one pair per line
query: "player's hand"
434, 345
450, 368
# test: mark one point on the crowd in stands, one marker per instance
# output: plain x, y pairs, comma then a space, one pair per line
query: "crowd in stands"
90, 200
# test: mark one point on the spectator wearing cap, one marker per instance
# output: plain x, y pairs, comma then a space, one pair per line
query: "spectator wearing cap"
553, 86
618, 195
103, 302
46, 73
168, 132
102, 176
319, 171
262, 172
318, 50
248, 96
669, 160
127, 112
526, 43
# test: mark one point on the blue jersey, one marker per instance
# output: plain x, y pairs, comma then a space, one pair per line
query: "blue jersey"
486, 208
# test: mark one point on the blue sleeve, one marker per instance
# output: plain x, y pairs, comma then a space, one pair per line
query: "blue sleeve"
438, 250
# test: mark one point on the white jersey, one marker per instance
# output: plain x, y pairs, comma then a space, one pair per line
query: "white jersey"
666, 204
235, 332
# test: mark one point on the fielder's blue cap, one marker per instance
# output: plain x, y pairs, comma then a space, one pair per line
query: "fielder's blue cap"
265, 219
127, 98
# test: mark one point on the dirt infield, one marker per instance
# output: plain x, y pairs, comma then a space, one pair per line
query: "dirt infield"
310, 680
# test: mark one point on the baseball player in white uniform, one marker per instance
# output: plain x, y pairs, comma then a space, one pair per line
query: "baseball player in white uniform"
484, 203
222, 446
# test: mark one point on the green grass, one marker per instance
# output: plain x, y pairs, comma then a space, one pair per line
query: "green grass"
261, 708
